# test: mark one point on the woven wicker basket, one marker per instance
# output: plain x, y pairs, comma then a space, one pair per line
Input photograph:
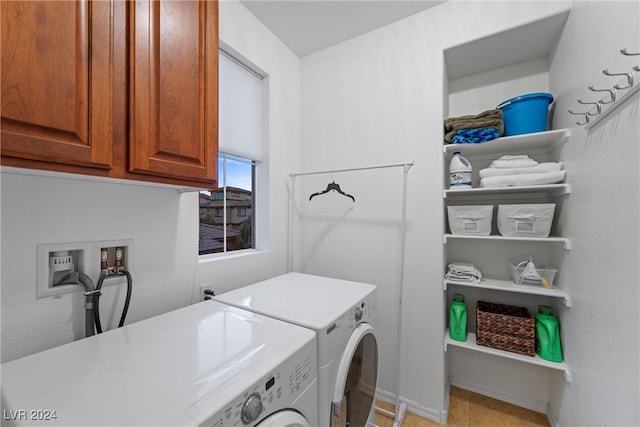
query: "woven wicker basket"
505, 327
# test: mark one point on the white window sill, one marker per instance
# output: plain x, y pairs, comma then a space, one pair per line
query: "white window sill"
204, 259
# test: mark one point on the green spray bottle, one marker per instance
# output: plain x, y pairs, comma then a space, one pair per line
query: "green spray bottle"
458, 318
548, 335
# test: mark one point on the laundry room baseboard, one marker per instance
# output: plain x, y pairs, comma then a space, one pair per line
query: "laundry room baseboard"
552, 421
414, 407
534, 405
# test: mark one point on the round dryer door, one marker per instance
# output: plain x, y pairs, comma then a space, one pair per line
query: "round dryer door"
356, 379
286, 418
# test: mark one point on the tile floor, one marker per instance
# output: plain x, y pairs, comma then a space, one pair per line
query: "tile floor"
469, 409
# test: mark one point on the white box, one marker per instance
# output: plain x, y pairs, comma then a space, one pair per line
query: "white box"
532, 220
470, 220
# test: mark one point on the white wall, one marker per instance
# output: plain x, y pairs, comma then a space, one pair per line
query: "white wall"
484, 91
378, 99
601, 330
37, 210
162, 223
244, 34
373, 100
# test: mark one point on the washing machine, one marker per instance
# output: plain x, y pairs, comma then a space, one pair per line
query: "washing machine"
206, 364
342, 314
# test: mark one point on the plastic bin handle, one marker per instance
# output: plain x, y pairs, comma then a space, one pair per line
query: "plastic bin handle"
523, 216
504, 104
471, 217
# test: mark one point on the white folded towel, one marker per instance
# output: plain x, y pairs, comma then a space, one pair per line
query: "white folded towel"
539, 168
464, 272
519, 161
551, 177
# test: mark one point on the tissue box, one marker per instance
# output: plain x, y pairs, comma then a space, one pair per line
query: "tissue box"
533, 220
470, 220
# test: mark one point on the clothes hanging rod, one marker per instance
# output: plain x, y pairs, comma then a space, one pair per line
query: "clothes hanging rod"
391, 165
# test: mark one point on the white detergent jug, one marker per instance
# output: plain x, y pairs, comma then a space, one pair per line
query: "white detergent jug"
459, 172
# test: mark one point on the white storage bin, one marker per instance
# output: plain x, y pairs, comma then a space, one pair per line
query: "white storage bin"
532, 220
473, 220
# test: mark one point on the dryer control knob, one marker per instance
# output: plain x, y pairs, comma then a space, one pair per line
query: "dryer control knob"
358, 314
251, 408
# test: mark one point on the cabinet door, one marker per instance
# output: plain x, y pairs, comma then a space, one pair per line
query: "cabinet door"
174, 83
56, 73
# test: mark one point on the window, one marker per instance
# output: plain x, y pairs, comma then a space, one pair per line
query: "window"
227, 214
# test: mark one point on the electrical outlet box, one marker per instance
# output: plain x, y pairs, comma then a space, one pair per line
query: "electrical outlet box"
206, 292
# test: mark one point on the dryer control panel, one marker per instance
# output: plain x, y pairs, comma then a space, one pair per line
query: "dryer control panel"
276, 391
363, 311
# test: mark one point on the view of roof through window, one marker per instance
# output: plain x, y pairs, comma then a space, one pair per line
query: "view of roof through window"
226, 214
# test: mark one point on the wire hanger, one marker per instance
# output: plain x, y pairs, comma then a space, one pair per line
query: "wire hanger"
332, 186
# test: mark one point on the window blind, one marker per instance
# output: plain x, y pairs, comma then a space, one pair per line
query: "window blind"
239, 110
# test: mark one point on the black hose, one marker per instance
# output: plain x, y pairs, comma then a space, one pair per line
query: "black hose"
92, 298
96, 302
96, 314
89, 319
126, 301
91, 295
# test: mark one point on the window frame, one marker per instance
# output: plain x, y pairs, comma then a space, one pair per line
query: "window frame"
260, 178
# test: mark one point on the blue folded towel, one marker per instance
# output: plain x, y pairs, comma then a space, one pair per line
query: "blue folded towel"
474, 136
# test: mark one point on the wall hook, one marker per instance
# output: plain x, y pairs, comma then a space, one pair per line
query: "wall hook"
627, 53
612, 93
586, 117
629, 78
597, 104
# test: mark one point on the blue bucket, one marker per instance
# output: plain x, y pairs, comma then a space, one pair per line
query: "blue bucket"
526, 113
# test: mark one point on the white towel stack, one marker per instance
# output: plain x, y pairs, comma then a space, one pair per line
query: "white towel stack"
464, 272
510, 162
512, 171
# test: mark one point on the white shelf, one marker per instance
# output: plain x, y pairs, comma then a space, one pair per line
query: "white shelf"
548, 141
541, 143
552, 189
470, 344
506, 47
555, 240
509, 286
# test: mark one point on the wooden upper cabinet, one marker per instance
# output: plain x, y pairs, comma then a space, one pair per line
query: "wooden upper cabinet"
119, 89
174, 88
56, 82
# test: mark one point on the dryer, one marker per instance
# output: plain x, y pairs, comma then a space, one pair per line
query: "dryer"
205, 364
342, 314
